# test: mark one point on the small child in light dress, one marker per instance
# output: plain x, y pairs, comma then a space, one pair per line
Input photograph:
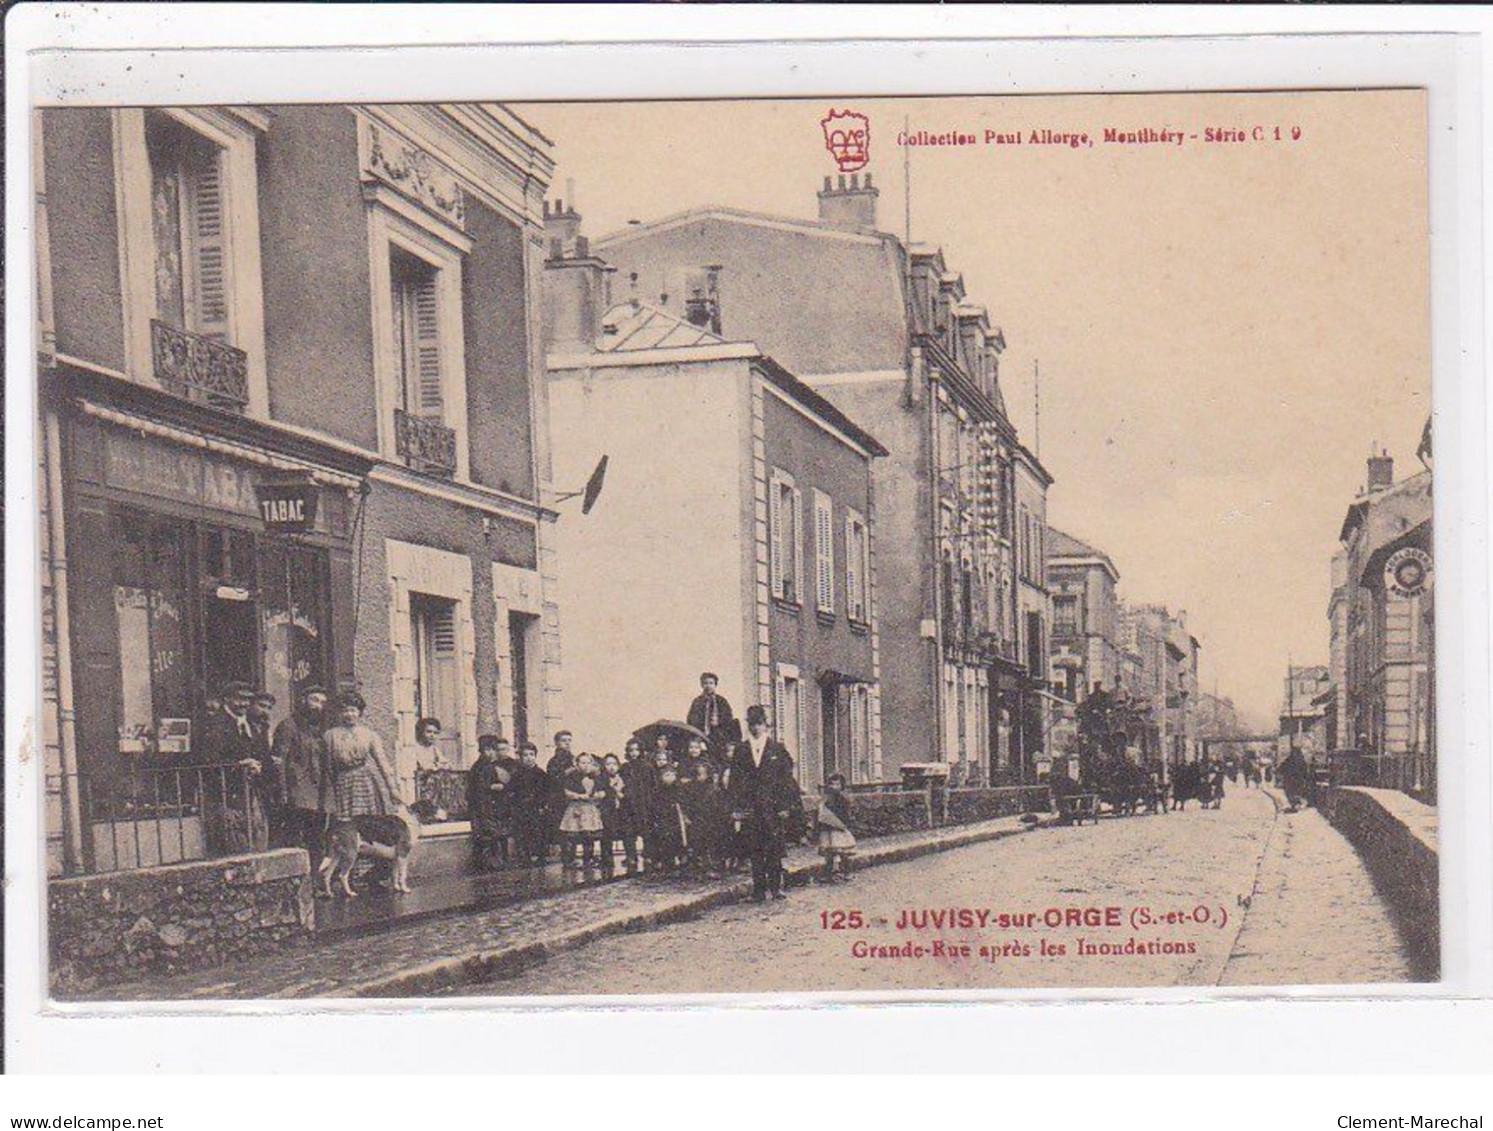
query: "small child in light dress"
581, 824
836, 841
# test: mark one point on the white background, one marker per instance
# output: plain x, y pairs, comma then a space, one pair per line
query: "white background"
1163, 1032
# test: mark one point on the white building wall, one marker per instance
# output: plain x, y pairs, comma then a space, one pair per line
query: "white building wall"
652, 577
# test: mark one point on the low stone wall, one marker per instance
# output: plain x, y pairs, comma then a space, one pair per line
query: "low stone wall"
1396, 837
965, 806
119, 926
890, 811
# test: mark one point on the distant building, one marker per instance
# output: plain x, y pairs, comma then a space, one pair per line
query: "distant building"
735, 533
1382, 629
1086, 634
1305, 713
1166, 670
887, 333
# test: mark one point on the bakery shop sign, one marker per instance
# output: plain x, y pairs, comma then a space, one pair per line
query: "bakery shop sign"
287, 506
1408, 572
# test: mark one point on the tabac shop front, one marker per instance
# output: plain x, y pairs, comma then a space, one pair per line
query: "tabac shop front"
201, 550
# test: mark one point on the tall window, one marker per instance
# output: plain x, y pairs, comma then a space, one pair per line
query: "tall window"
857, 568
1065, 615
824, 553
860, 732
189, 227
788, 699
1036, 647
417, 333
437, 669
520, 626
948, 596
786, 530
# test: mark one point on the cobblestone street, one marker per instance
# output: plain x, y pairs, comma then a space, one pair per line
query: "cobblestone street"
1254, 896
1314, 919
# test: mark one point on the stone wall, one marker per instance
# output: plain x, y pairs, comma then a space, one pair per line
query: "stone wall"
122, 926
909, 810
965, 806
1396, 837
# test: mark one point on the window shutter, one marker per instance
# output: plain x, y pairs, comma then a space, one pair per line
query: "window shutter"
852, 571
775, 535
779, 700
824, 552
428, 347
209, 251
797, 498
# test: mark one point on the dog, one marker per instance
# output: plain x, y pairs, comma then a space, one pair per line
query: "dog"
343, 844
391, 837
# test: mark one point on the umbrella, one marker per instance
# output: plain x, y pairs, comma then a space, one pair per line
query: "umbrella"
677, 731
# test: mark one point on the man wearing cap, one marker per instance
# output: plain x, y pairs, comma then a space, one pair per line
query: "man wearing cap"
235, 811
763, 794
300, 759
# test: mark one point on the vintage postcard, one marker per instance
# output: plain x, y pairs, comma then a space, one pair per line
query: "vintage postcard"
546, 550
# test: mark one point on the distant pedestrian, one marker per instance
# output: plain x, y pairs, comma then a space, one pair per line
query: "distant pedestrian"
1295, 780
763, 794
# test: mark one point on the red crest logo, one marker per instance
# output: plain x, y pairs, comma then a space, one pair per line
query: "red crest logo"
847, 136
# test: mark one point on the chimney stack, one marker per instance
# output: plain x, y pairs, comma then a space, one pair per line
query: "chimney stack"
1381, 471
702, 306
851, 205
577, 285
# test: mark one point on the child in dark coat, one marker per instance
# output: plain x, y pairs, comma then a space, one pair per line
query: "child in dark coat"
706, 816
836, 841
666, 839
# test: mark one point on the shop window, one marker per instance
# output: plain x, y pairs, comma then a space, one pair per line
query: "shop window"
295, 596
153, 633
437, 687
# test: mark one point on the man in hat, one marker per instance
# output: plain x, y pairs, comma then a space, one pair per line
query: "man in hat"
710, 714
300, 759
763, 794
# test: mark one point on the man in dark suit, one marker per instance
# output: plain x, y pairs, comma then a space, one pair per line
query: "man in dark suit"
763, 794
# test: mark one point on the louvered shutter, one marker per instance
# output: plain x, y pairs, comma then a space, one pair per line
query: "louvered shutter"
210, 293
853, 608
824, 553
775, 536
797, 499
428, 348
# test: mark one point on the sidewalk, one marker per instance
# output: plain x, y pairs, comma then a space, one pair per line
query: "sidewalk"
463, 949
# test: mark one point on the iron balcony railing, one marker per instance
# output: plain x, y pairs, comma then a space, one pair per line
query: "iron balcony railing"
199, 368
167, 815
425, 444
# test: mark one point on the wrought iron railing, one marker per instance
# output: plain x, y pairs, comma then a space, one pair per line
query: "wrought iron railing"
168, 815
442, 794
425, 444
199, 368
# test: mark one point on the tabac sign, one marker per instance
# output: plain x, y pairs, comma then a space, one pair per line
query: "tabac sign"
287, 506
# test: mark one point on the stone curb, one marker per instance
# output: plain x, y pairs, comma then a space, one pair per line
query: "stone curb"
507, 961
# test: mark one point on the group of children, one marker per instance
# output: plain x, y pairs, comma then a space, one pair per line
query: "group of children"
672, 812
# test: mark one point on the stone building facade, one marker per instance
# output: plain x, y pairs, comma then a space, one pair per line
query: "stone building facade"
331, 309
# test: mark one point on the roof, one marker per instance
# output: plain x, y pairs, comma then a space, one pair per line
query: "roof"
636, 326
1061, 545
744, 216
1390, 512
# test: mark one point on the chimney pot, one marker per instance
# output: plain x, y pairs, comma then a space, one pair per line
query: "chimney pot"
855, 181
826, 182
842, 182
868, 180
